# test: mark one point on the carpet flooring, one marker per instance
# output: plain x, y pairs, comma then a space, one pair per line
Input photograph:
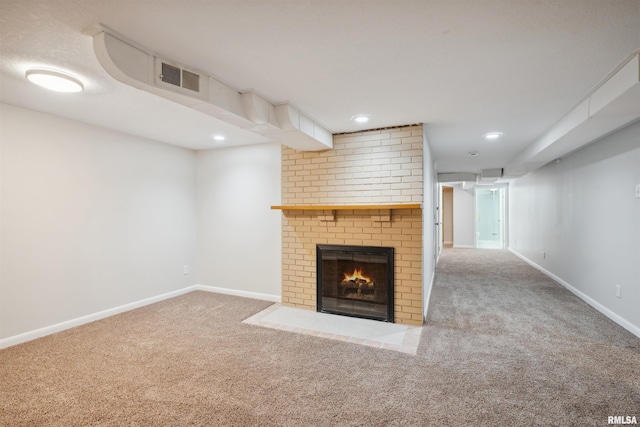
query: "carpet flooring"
503, 346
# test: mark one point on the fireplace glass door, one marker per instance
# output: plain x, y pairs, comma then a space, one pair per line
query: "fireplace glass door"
355, 281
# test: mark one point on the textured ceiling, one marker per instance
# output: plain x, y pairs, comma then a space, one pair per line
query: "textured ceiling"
462, 67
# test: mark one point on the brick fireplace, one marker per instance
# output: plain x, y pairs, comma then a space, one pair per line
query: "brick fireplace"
367, 191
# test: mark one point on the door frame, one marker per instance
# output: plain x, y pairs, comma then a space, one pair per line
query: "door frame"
505, 212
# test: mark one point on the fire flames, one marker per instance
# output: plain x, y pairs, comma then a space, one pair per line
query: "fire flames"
357, 278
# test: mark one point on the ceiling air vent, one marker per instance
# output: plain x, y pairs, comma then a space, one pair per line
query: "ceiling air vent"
170, 74
179, 77
190, 81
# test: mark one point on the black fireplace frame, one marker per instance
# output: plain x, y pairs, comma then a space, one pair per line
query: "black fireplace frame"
363, 250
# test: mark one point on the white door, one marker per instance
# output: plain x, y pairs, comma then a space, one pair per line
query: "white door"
490, 217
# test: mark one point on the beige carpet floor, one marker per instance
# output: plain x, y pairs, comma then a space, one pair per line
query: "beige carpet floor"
503, 346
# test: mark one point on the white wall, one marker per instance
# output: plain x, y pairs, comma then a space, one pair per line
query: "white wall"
239, 242
430, 237
1, 222
463, 218
580, 221
91, 219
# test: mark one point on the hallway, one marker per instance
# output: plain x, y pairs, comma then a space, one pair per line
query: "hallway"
519, 337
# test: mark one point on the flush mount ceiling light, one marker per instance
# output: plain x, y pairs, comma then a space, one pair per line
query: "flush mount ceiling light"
218, 138
473, 153
361, 118
492, 136
54, 80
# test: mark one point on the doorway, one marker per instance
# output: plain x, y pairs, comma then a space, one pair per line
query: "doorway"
490, 217
447, 217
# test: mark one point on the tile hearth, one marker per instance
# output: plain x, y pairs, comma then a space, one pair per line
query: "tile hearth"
372, 333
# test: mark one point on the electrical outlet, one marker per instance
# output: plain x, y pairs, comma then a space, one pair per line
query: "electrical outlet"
544, 255
186, 269
618, 291
638, 191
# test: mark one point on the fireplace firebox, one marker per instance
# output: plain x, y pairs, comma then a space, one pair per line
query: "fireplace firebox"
355, 281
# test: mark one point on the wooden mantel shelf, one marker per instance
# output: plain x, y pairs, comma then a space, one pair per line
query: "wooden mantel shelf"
345, 207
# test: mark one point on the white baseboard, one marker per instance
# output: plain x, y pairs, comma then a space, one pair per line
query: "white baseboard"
593, 303
464, 247
59, 327
447, 243
238, 293
428, 296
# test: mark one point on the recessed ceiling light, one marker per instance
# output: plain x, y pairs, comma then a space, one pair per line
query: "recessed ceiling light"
491, 136
473, 153
54, 80
361, 118
219, 138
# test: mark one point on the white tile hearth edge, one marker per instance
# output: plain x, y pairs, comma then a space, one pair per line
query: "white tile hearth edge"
372, 333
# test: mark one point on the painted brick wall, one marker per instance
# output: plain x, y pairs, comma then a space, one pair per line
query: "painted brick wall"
373, 167
381, 166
